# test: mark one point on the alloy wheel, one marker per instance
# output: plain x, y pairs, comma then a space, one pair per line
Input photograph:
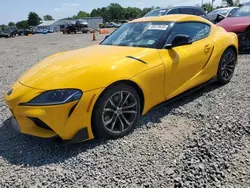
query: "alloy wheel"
120, 112
228, 66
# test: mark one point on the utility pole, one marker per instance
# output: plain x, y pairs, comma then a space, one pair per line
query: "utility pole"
213, 3
201, 3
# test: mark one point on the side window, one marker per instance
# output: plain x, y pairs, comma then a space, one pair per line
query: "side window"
198, 12
232, 12
173, 11
186, 11
195, 30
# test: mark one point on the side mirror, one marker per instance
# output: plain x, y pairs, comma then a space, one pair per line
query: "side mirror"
179, 40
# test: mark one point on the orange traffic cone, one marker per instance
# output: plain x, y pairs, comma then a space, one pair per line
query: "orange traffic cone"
94, 37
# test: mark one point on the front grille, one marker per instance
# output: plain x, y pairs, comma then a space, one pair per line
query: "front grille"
40, 123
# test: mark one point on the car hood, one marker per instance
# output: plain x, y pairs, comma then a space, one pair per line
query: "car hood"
235, 24
89, 68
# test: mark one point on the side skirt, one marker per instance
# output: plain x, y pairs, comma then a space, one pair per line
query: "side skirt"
186, 93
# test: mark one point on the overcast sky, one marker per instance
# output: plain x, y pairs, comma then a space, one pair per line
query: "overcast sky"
16, 10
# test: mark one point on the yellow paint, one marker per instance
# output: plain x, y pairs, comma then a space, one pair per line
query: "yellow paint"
166, 74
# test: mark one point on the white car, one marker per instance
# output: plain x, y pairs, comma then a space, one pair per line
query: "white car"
225, 12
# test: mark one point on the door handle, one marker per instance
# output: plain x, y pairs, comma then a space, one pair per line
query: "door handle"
207, 48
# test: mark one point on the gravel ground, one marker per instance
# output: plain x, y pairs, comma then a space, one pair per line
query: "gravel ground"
202, 140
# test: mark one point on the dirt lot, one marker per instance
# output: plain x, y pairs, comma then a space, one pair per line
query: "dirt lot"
202, 140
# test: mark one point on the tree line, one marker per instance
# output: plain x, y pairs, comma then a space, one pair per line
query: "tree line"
113, 12
33, 20
228, 3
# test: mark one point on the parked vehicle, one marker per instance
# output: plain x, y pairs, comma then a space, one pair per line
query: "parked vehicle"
4, 34
102, 90
101, 25
51, 31
26, 32
219, 14
45, 31
77, 26
193, 10
113, 25
7, 34
239, 23
110, 25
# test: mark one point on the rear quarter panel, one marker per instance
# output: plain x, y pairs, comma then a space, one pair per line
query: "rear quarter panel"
222, 40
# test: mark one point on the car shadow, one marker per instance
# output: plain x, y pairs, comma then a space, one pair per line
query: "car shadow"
20, 149
244, 52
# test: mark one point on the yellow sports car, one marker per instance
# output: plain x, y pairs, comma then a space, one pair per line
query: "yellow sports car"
102, 90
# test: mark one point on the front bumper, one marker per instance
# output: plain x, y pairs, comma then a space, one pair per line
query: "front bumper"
65, 121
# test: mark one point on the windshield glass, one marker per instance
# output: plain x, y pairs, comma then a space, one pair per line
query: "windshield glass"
157, 12
223, 12
243, 11
139, 34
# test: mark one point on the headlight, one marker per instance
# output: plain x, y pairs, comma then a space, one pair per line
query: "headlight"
55, 97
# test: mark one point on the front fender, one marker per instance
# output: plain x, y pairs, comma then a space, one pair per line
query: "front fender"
151, 83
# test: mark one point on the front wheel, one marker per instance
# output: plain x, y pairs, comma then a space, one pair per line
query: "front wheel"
226, 66
116, 112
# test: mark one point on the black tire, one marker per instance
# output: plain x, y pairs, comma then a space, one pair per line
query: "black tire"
226, 66
120, 118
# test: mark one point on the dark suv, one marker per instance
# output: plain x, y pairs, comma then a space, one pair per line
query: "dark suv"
194, 10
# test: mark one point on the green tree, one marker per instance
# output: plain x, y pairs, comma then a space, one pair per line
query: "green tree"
207, 7
237, 3
132, 12
116, 11
48, 18
11, 24
146, 10
33, 19
3, 27
22, 24
101, 12
82, 14
94, 13
232, 2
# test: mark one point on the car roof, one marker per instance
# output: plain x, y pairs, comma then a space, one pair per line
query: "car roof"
179, 7
225, 8
187, 7
172, 18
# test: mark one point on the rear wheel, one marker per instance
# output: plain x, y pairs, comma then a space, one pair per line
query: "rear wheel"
226, 66
116, 112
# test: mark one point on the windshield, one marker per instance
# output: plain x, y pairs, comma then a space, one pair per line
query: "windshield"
243, 11
139, 34
223, 12
157, 12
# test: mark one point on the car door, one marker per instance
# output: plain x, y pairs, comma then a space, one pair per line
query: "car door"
183, 63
